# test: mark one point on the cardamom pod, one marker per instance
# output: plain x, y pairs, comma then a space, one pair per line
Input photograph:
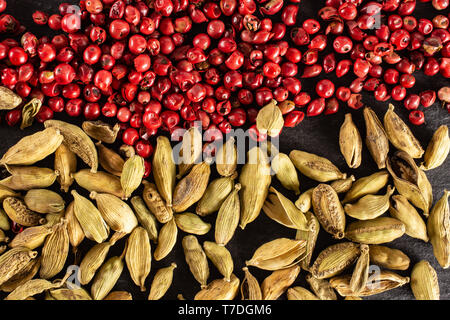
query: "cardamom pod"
166, 240
376, 138
9, 99
99, 130
155, 203
370, 206
29, 111
226, 158
27, 273
44, 201
367, 185
310, 236
304, 202
31, 238
14, 261
132, 174
74, 294
388, 258
219, 289
119, 295
18, 212
161, 282
220, 257
191, 150
375, 231
270, 119
196, 259
424, 281
27, 178
285, 172
7, 192
66, 165
127, 151
76, 234
55, 251
278, 282
361, 271
437, 150
315, 167
250, 288
192, 223
215, 194
163, 168
321, 288
111, 161
139, 257
300, 293
4, 220
99, 182
438, 226
350, 142
228, 217
146, 219
343, 185
335, 259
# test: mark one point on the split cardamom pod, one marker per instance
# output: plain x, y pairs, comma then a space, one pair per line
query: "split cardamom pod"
111, 161
250, 288
101, 131
29, 111
191, 150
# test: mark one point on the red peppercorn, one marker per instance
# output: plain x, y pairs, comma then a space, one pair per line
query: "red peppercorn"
325, 88
316, 107
427, 98
130, 136
416, 117
412, 102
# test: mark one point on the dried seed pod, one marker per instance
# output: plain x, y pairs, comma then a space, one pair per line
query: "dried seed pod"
228, 217
220, 257
127, 151
219, 289
139, 257
310, 236
277, 283
328, 210
66, 165
437, 150
14, 261
370, 206
155, 203
90, 219
99, 182
76, 234
361, 272
375, 231
4, 220
255, 180
166, 240
7, 192
402, 210
9, 99
55, 251
321, 287
111, 161
77, 141
132, 174
29, 111
33, 148
335, 259
400, 135
27, 178
285, 172
388, 258
300, 293
226, 158
163, 168
44, 201
270, 119
410, 181
343, 185
192, 187
31, 238
146, 219
191, 223
367, 185
116, 213
99, 130
438, 227
73, 294
53, 218
376, 138
424, 281
196, 259
27, 273
18, 212
350, 142
119, 295
277, 254
215, 194
250, 289
304, 202
161, 282
315, 167
191, 150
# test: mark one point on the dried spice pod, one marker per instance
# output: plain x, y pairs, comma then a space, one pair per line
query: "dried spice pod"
192, 223
7, 192
278, 282
33, 148
27, 178
250, 288
215, 194
438, 226
55, 251
76, 233
304, 202
350, 142
191, 150
285, 172
437, 150
119, 295
192, 187
424, 281
9, 99
14, 261
361, 271
163, 168
4, 220
370, 206
376, 138
328, 210
400, 135
29, 111
228, 217
99, 182
255, 180
127, 151
196, 259
161, 282
53, 218
26, 274
77, 141
343, 185
66, 165
226, 158
321, 287
367, 185
138, 256
270, 120
282, 210
310, 236
32, 237
219, 289
410, 181
44, 201
375, 231
300, 293
155, 203
220, 257
73, 294
18, 212
388, 258
335, 259
277, 254
101, 131
132, 174
166, 240
109, 160
315, 167
116, 213
402, 210
146, 219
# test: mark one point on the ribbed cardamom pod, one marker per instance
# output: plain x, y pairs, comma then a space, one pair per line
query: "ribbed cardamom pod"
220, 257
166, 240
29, 112
226, 158
270, 119
9, 99
388, 258
146, 219
343, 185
424, 282
335, 259
4, 220
161, 282
7, 192
132, 174
300, 293
437, 150
350, 142
376, 138
77, 141
375, 231
438, 227
361, 271
74, 294
250, 288
315, 167
402, 210
304, 202
163, 168
277, 283
215, 194
310, 236
116, 213
196, 259
44, 201
66, 165
139, 256
27, 273
99, 182
14, 261
27, 178
119, 295
400, 135
285, 172
228, 217
192, 187
90, 219
255, 180
321, 288
33, 148
18, 212
32, 237
55, 251
192, 223
370, 206
111, 161
155, 203
191, 150
328, 210
219, 289
99, 130
367, 185
76, 234
410, 181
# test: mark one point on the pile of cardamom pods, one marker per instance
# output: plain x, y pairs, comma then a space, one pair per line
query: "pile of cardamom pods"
34, 257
